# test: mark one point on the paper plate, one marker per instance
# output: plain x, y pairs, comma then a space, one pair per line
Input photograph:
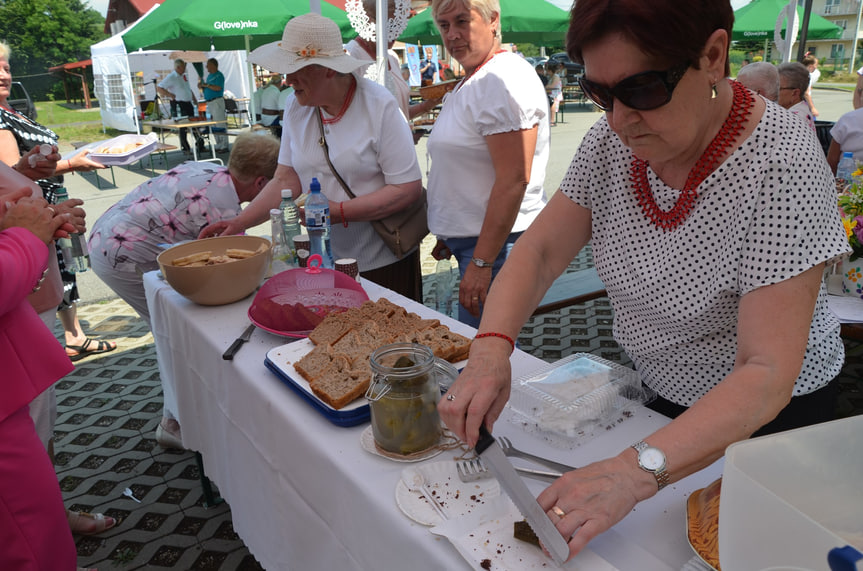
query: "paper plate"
293, 302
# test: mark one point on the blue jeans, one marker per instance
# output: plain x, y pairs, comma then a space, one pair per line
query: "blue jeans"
462, 249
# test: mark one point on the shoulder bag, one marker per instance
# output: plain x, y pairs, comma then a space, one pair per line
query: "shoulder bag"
402, 231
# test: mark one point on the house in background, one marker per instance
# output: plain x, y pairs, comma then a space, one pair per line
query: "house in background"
122, 13
839, 53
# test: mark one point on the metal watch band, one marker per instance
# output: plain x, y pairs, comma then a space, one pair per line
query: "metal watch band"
662, 477
480, 263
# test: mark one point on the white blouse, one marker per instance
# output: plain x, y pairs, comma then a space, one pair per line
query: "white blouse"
505, 94
766, 214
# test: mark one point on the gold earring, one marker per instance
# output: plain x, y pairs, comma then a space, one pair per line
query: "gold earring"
714, 92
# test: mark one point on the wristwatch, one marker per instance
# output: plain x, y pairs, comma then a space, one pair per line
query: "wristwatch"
652, 459
481, 263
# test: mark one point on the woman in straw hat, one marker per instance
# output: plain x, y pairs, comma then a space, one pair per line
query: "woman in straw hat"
370, 145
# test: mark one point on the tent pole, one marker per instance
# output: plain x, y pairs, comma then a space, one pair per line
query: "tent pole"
801, 47
382, 43
251, 71
856, 34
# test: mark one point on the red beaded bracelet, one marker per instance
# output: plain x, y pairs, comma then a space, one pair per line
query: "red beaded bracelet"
342, 210
493, 334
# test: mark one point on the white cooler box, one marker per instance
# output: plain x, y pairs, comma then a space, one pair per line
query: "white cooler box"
788, 499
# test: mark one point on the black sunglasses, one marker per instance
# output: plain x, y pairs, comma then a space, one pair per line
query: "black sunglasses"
643, 91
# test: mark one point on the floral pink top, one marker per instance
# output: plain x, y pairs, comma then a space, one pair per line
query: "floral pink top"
167, 209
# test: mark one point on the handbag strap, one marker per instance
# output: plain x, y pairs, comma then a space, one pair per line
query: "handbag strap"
323, 143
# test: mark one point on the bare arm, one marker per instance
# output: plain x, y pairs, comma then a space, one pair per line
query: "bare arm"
834, 153
773, 329
387, 200
542, 253
512, 157
258, 210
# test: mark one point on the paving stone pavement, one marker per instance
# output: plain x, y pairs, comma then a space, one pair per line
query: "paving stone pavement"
109, 407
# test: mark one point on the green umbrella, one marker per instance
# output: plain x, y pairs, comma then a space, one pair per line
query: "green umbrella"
222, 24
757, 20
535, 22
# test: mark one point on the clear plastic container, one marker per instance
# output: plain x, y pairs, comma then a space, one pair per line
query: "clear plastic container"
570, 399
792, 497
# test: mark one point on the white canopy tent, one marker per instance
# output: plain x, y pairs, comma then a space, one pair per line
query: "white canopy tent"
120, 94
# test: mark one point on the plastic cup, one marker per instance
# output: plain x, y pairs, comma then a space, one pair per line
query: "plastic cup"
348, 266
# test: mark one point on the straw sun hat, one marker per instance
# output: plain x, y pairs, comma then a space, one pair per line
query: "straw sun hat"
308, 39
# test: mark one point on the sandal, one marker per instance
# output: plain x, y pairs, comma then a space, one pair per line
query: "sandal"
78, 522
85, 350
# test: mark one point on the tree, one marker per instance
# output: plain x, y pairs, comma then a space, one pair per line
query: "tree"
46, 33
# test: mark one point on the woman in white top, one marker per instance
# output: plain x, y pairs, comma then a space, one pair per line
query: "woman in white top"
489, 149
370, 145
712, 215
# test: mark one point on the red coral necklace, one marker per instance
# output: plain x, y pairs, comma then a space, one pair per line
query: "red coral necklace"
349, 96
741, 108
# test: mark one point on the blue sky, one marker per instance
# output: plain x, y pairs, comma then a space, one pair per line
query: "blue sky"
100, 6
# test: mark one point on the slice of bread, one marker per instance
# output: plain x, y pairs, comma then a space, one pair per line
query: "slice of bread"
338, 385
314, 362
331, 329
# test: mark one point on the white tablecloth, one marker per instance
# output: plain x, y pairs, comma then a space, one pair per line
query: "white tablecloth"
305, 495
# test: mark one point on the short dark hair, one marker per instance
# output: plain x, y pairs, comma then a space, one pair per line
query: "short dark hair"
671, 29
214, 61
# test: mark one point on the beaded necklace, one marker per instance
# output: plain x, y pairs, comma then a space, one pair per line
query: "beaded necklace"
741, 108
348, 98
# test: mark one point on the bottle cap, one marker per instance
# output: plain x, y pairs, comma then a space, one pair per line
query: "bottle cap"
847, 154
275, 212
287, 193
315, 186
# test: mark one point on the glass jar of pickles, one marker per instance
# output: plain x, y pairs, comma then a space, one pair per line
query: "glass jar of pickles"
403, 398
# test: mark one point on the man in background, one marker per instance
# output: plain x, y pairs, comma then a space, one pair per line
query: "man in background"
176, 88
214, 93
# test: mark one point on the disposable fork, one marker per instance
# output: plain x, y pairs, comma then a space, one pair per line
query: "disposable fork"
511, 450
472, 470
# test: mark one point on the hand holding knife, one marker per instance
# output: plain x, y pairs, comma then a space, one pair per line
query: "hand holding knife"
492, 455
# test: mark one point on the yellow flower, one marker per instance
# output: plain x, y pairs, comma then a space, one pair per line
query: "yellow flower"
858, 172
849, 226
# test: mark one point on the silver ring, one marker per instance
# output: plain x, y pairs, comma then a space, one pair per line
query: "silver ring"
450, 397
558, 512
53, 212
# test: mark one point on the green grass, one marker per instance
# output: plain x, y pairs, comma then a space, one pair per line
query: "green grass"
73, 125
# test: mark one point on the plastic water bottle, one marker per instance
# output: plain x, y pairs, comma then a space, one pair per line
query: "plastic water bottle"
318, 223
444, 281
291, 214
76, 255
845, 170
283, 258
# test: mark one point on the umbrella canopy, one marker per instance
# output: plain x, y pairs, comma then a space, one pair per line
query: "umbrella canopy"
536, 22
757, 20
222, 24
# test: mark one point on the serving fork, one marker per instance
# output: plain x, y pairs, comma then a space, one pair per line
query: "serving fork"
510, 450
474, 469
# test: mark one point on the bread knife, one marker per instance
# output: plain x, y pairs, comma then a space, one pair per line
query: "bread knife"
492, 456
238, 342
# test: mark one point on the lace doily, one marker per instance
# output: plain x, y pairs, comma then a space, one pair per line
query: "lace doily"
365, 27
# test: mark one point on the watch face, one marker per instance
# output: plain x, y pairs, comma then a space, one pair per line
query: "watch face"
652, 459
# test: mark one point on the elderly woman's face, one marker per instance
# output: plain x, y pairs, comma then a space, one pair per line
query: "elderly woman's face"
310, 84
5, 78
660, 134
467, 37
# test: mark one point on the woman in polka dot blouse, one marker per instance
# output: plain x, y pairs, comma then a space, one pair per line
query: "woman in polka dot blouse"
712, 216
